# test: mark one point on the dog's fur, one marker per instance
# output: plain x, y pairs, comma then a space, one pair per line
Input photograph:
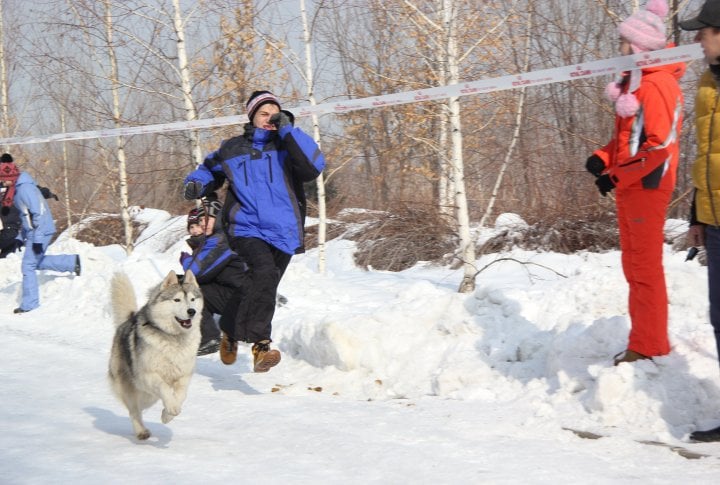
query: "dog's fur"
154, 349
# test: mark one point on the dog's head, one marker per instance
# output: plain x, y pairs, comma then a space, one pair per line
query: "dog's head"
178, 304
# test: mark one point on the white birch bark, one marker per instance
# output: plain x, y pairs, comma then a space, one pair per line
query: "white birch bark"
446, 190
310, 83
185, 84
66, 183
467, 244
120, 141
4, 101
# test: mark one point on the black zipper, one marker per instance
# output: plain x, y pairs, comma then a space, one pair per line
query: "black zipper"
637, 160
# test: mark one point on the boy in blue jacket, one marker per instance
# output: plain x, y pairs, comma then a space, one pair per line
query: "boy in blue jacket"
220, 273
38, 229
264, 210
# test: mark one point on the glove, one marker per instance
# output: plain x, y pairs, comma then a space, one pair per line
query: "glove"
193, 190
47, 193
18, 245
281, 119
604, 184
37, 248
214, 208
595, 165
183, 257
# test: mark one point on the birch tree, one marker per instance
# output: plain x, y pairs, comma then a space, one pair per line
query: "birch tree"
4, 104
185, 84
310, 84
66, 177
451, 59
120, 140
445, 31
8, 122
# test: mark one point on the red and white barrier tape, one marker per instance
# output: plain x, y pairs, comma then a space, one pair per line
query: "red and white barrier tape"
513, 81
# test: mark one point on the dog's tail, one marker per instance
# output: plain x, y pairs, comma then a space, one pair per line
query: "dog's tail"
122, 294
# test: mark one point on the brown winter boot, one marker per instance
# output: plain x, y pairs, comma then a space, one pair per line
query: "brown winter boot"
264, 358
629, 356
228, 350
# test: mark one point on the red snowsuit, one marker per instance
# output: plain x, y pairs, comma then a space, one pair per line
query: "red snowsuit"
641, 160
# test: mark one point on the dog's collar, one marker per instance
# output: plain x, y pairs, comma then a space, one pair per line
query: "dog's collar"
134, 320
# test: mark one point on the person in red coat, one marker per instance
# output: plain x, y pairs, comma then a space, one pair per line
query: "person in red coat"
639, 164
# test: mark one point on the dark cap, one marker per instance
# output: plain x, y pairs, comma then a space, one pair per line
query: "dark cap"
195, 215
709, 16
257, 99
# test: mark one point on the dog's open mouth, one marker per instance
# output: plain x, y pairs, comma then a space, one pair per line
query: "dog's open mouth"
184, 323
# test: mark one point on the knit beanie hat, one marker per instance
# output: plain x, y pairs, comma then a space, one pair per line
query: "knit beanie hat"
645, 29
195, 216
8, 172
257, 99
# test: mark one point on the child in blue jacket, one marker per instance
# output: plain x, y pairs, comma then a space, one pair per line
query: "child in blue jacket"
221, 274
38, 229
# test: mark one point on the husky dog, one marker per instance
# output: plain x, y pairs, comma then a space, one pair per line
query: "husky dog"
154, 349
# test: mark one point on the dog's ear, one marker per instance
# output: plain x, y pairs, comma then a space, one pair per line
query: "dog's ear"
170, 279
189, 278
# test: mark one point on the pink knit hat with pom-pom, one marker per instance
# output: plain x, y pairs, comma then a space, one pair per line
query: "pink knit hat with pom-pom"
645, 29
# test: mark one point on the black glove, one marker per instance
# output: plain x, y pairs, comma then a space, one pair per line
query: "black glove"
47, 193
213, 208
37, 248
193, 190
281, 119
604, 184
18, 245
595, 165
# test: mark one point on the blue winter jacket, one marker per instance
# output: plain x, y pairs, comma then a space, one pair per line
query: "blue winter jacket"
38, 225
210, 255
266, 170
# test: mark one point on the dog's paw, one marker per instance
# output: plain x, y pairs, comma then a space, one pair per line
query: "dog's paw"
143, 435
168, 415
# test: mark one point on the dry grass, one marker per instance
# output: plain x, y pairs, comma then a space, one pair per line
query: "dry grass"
595, 233
399, 240
106, 230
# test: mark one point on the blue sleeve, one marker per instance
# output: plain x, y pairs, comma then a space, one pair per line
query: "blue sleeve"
305, 155
209, 173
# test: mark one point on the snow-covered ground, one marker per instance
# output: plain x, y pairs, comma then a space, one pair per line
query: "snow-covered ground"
386, 378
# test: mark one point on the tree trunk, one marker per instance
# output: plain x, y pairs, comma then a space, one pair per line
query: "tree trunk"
309, 79
186, 86
117, 115
66, 183
4, 102
467, 244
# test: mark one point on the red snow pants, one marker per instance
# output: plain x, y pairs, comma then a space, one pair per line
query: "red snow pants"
641, 220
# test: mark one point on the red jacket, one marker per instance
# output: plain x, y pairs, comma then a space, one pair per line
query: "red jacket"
644, 151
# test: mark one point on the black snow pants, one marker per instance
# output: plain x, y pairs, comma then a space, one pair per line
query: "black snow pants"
230, 283
247, 317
